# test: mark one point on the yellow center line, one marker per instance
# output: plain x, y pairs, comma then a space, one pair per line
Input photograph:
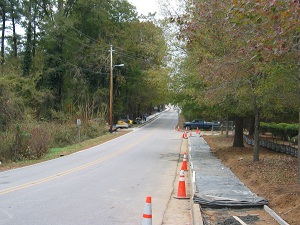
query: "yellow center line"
84, 166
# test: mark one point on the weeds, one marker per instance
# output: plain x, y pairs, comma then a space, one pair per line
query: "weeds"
32, 140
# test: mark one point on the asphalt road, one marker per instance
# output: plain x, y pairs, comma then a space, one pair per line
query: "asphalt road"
107, 184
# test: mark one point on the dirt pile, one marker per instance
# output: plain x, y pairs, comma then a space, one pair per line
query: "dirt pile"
274, 177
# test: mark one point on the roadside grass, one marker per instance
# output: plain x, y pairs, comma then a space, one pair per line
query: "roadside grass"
59, 152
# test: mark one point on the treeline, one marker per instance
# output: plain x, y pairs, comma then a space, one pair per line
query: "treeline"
242, 62
55, 68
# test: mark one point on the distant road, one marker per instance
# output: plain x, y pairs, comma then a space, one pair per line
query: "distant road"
104, 185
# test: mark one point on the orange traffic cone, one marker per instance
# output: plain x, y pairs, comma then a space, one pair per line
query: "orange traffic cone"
184, 164
181, 194
147, 215
197, 131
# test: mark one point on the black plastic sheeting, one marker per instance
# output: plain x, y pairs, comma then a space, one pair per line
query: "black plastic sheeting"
216, 185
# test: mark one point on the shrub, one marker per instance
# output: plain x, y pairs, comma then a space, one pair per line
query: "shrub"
39, 142
24, 141
283, 130
63, 134
7, 143
275, 129
294, 140
67, 134
16, 144
32, 139
21, 147
292, 130
92, 130
264, 127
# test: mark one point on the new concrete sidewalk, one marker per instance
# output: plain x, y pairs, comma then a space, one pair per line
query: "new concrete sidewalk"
215, 185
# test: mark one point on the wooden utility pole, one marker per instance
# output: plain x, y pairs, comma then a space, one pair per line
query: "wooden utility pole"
298, 55
111, 91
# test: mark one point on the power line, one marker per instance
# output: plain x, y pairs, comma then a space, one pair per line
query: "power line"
121, 51
128, 54
104, 49
66, 62
81, 33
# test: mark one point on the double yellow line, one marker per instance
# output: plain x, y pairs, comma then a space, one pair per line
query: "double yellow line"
84, 166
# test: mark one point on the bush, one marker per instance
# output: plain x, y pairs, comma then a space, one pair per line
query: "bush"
264, 127
39, 142
294, 140
275, 129
32, 140
24, 141
283, 130
63, 134
91, 130
21, 147
6, 147
67, 134
292, 130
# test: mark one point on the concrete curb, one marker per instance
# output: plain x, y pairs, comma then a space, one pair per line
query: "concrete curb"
275, 216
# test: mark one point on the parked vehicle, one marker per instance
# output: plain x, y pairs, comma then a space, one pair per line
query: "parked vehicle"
122, 124
202, 125
129, 121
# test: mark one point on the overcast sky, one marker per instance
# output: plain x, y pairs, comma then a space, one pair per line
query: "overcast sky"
145, 6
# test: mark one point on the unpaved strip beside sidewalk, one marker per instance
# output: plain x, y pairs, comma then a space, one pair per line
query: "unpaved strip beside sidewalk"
179, 211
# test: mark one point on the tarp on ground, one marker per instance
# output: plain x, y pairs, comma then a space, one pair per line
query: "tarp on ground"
217, 185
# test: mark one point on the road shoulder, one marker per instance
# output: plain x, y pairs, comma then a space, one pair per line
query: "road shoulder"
182, 211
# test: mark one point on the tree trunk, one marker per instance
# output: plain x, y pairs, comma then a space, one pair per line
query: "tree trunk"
227, 127
298, 51
299, 138
252, 125
34, 30
15, 48
13, 13
256, 133
3, 31
297, 42
27, 61
238, 133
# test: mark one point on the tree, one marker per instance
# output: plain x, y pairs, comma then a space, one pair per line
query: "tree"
274, 34
3, 6
65, 53
76, 59
144, 80
15, 14
28, 46
234, 44
210, 49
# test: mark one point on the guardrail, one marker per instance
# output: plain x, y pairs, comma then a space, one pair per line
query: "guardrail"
286, 149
